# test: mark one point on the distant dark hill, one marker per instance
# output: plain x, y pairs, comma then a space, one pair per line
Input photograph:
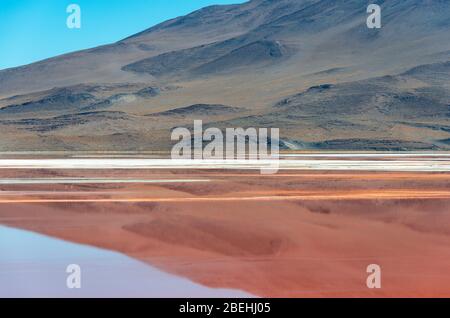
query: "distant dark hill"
259, 53
59, 122
59, 100
199, 110
434, 74
213, 58
384, 96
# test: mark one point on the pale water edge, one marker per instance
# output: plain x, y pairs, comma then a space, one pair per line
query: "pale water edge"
34, 265
430, 164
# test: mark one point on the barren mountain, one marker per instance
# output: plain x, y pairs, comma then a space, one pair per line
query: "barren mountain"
309, 67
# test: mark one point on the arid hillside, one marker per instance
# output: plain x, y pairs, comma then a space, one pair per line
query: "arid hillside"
309, 67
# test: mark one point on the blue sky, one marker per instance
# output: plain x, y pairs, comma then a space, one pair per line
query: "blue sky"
32, 30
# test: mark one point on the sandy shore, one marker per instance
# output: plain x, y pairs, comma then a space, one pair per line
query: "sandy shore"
294, 234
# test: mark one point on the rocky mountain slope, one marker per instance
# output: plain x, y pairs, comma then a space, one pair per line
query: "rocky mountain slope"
309, 67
